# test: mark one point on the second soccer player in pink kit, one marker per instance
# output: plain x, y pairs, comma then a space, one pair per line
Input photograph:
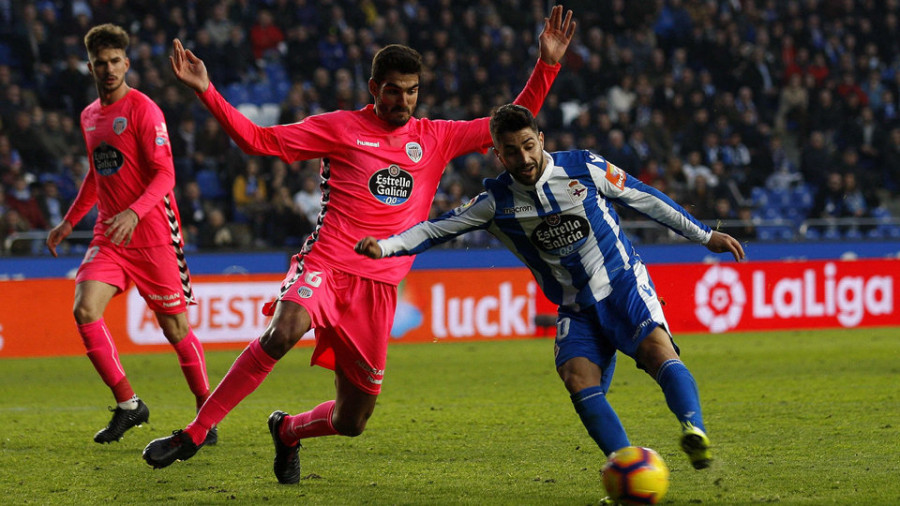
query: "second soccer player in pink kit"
380, 170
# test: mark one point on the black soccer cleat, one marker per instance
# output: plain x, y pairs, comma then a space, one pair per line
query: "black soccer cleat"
164, 451
287, 462
122, 420
212, 437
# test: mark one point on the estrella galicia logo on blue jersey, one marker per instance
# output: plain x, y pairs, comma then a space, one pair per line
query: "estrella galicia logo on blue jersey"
392, 186
107, 159
560, 234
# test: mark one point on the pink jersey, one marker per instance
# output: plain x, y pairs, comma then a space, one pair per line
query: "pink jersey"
379, 179
131, 167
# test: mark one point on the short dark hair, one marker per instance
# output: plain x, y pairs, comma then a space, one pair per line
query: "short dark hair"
395, 57
105, 36
512, 118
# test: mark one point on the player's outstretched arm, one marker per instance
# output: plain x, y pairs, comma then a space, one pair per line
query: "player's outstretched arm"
723, 243
556, 35
368, 246
57, 234
189, 69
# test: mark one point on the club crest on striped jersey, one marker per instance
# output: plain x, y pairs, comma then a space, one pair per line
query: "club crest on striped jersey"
392, 186
615, 175
119, 125
577, 191
561, 234
414, 151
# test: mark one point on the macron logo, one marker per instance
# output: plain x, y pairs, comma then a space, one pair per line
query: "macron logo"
367, 143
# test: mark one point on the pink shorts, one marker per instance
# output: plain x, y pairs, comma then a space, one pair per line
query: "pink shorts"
159, 273
352, 317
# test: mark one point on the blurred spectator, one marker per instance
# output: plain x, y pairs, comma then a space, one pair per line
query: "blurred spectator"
11, 222
285, 224
829, 202
816, 159
891, 171
694, 167
792, 106
21, 198
218, 234
700, 200
309, 199
52, 205
193, 211
621, 154
250, 197
265, 36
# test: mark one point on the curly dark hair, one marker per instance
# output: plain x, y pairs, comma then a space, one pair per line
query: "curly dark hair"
105, 36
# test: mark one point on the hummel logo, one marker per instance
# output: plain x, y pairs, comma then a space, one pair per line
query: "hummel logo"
367, 143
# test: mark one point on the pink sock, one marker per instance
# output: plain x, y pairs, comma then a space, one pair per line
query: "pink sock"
193, 365
103, 354
248, 372
314, 423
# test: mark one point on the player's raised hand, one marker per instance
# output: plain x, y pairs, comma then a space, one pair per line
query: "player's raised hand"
189, 69
121, 227
556, 36
56, 236
368, 246
724, 243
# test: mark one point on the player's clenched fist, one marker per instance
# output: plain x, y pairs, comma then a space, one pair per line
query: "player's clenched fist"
369, 247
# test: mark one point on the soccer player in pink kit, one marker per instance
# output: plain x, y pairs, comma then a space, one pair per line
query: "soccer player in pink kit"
381, 168
137, 236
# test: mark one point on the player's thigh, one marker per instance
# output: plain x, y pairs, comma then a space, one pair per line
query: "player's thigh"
578, 335
91, 298
158, 277
289, 322
632, 311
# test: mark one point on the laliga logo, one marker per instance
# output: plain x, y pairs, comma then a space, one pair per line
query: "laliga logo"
720, 299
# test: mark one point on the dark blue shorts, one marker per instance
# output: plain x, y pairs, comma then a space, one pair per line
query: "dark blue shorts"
618, 322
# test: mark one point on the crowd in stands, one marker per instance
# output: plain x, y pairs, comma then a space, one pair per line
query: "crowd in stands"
747, 112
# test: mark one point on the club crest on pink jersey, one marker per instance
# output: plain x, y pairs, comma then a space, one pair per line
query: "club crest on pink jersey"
414, 151
119, 125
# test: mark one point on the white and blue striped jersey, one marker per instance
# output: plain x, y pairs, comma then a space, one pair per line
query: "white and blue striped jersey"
564, 228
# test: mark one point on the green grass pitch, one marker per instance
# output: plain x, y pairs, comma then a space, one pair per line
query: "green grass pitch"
795, 418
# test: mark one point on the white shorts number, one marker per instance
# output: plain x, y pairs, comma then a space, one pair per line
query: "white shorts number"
313, 279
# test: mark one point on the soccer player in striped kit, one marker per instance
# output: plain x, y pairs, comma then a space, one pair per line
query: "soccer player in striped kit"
554, 212
380, 167
137, 236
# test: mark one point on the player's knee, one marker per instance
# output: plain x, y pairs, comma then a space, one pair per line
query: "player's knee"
279, 338
578, 374
351, 427
84, 313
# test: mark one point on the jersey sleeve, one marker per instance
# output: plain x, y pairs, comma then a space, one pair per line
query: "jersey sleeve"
538, 86
615, 183
474, 215
250, 137
156, 157
475, 135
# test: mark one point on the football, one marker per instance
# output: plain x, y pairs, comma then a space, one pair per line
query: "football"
635, 475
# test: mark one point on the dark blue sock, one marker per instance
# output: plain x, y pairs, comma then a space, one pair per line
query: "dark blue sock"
599, 419
681, 393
